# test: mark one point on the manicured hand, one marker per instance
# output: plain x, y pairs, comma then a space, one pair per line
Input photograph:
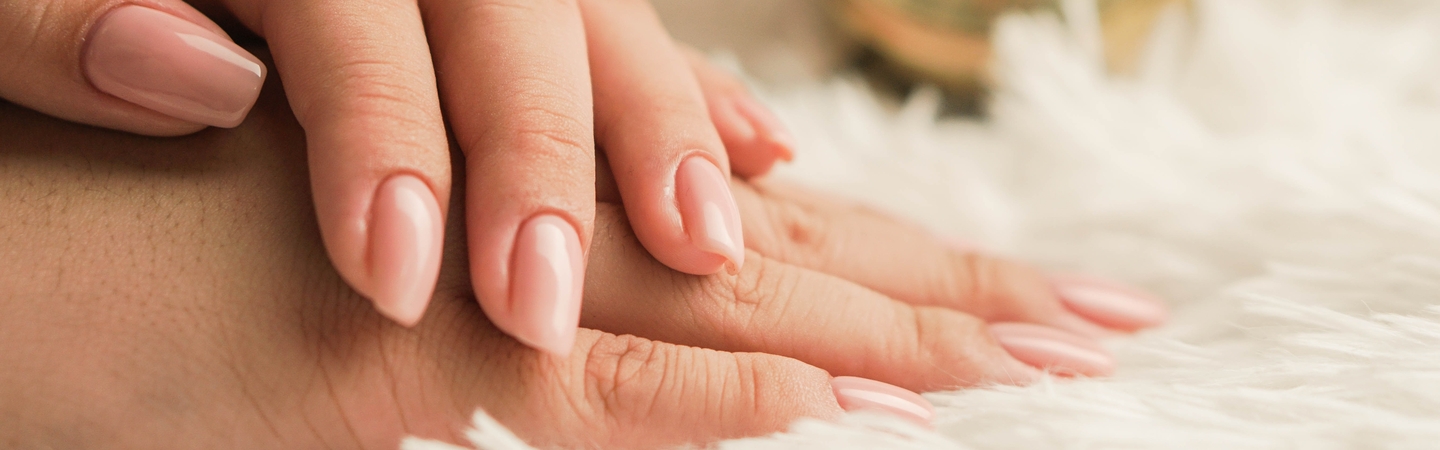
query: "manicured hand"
528, 89
143, 307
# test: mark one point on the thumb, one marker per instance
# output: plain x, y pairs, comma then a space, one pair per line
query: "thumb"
154, 67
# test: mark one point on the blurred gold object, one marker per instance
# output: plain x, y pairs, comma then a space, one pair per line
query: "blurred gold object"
947, 41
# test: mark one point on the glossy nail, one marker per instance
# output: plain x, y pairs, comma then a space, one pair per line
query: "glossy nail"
1052, 349
767, 126
547, 276
1110, 306
406, 235
865, 394
708, 211
172, 66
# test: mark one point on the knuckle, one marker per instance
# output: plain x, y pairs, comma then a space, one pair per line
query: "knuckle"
798, 234
624, 376
744, 307
372, 91
552, 136
993, 288
972, 282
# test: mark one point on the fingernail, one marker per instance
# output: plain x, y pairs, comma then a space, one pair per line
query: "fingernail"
855, 394
405, 243
1054, 350
768, 127
1111, 306
549, 273
172, 66
708, 211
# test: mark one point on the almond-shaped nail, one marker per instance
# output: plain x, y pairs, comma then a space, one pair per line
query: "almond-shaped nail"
547, 276
1051, 349
172, 66
856, 394
1111, 306
767, 126
708, 211
406, 237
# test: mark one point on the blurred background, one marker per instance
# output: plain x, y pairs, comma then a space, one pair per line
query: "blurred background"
895, 44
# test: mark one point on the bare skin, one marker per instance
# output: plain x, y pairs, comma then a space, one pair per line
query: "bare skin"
175, 293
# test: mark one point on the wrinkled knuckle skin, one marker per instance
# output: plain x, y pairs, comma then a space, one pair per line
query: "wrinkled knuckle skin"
551, 136
737, 312
374, 96
624, 378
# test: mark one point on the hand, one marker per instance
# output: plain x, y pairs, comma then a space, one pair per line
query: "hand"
168, 293
528, 88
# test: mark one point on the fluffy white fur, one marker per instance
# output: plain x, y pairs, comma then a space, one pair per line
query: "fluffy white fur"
1273, 170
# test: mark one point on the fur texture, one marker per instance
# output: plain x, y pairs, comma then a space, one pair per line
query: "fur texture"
1273, 170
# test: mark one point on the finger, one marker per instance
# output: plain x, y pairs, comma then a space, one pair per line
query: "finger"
629, 392
359, 77
651, 118
911, 264
154, 67
754, 138
516, 90
841, 327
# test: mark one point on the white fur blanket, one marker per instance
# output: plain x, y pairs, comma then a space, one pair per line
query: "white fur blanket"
1273, 170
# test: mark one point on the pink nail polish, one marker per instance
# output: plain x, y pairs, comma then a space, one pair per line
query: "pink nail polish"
1054, 350
406, 236
855, 393
1110, 306
769, 127
548, 274
172, 66
708, 211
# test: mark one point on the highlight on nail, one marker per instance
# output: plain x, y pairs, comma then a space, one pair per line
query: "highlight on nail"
172, 66
405, 242
708, 210
860, 394
1053, 350
1110, 305
547, 277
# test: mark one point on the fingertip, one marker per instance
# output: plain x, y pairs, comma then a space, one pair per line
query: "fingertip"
1054, 350
405, 243
771, 132
172, 66
1110, 304
708, 212
862, 394
545, 292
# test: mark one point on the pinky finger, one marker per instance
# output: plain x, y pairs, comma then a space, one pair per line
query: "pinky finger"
754, 138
